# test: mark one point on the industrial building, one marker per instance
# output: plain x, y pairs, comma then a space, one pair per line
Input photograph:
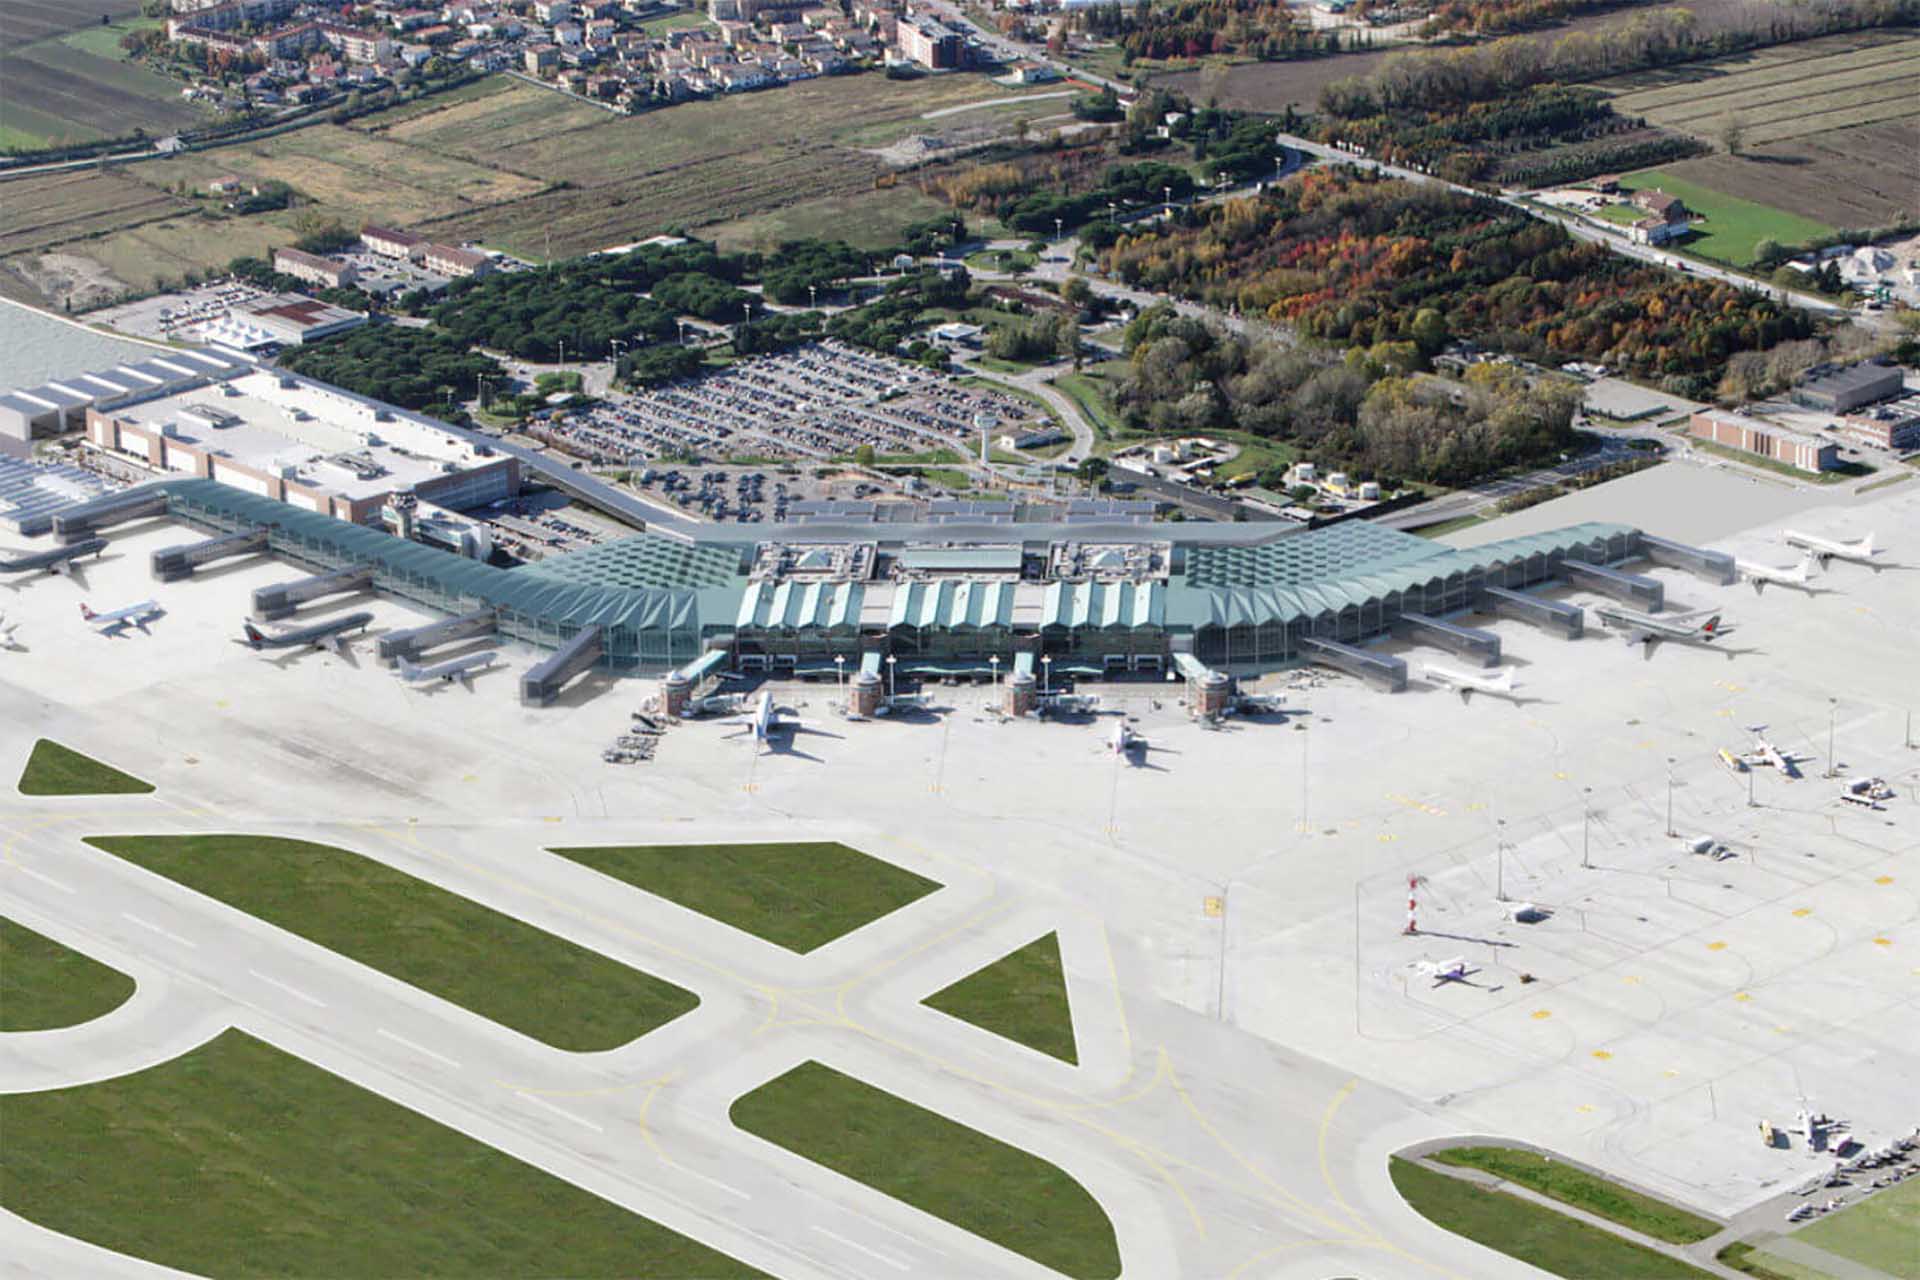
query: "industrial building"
62, 405
1764, 439
1838, 389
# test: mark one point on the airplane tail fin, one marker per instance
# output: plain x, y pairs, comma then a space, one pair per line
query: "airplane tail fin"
1504, 682
1711, 627
86, 613
1866, 545
253, 634
1808, 567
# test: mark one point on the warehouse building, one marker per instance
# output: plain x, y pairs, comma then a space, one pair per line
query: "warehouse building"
1842, 389
1764, 439
62, 405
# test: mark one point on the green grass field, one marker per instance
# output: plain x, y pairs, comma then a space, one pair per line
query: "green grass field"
799, 896
54, 770
239, 1160
1022, 996
1089, 391
1586, 1191
44, 985
1882, 1231
1742, 1256
955, 1173
1530, 1232
441, 942
1733, 226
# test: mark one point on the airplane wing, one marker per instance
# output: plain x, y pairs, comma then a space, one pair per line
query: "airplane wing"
1466, 693
63, 567
336, 642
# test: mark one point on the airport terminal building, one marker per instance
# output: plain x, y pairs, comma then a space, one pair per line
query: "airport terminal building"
1092, 600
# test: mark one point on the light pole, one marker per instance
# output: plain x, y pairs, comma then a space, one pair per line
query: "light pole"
1586, 819
1059, 228
683, 333
840, 677
1833, 711
1168, 191
1046, 674
1670, 830
563, 350
892, 688
993, 660
813, 297
1500, 860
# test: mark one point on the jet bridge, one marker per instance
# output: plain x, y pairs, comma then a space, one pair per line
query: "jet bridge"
1714, 566
170, 564
542, 682
414, 641
1630, 589
1567, 620
1376, 668
77, 524
280, 599
1469, 642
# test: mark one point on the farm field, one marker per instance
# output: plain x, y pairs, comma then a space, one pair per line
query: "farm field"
1819, 119
1270, 86
1733, 226
727, 161
71, 85
31, 21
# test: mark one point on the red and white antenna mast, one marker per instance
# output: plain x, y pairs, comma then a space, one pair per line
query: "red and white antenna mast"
1413, 904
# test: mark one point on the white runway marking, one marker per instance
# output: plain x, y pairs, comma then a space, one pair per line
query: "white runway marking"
714, 1182
895, 1263
148, 924
44, 879
562, 1112
420, 1049
295, 992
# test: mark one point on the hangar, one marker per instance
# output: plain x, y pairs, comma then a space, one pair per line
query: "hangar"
1096, 600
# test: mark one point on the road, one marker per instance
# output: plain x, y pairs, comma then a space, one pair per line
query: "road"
1478, 498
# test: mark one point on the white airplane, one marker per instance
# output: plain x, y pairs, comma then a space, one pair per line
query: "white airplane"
1825, 549
115, 621
1466, 684
1123, 741
1442, 972
763, 721
460, 669
1801, 575
1765, 753
1646, 630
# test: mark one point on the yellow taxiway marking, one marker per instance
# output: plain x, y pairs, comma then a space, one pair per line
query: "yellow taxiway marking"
1584, 1108
1214, 907
1671, 1074
1386, 837
1803, 911
1632, 979
1602, 1054
1561, 774
1883, 879
1541, 1013
1742, 996
1883, 942
1716, 946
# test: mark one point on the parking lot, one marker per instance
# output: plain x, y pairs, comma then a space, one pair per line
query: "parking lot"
383, 276
171, 315
824, 400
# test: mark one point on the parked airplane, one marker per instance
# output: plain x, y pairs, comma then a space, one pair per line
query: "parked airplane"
1760, 575
330, 634
55, 559
115, 621
460, 669
1825, 549
763, 720
1466, 684
1444, 971
1645, 629
1765, 753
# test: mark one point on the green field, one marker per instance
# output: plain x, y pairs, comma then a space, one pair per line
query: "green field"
1882, 1231
955, 1173
239, 1160
44, 985
54, 770
798, 896
1089, 391
1596, 1195
1022, 996
1530, 1232
418, 933
1732, 226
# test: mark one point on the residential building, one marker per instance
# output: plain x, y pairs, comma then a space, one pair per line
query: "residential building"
930, 44
355, 44
391, 242
1839, 389
541, 58
231, 14
1661, 205
313, 268
1657, 231
455, 263
1764, 439
551, 11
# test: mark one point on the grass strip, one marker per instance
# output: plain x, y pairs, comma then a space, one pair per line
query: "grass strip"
54, 770
1560, 1181
799, 896
44, 985
1532, 1233
238, 1160
419, 933
937, 1165
1022, 996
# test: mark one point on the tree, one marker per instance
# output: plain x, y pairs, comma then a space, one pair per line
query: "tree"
1092, 471
864, 455
1767, 251
1733, 133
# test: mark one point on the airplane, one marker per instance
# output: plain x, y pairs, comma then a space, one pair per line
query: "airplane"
764, 720
1734, 763
330, 634
115, 621
1825, 549
1466, 684
460, 669
1765, 753
55, 559
1444, 971
1647, 630
1760, 575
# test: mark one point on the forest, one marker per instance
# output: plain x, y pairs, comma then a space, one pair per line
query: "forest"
413, 368
1362, 261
